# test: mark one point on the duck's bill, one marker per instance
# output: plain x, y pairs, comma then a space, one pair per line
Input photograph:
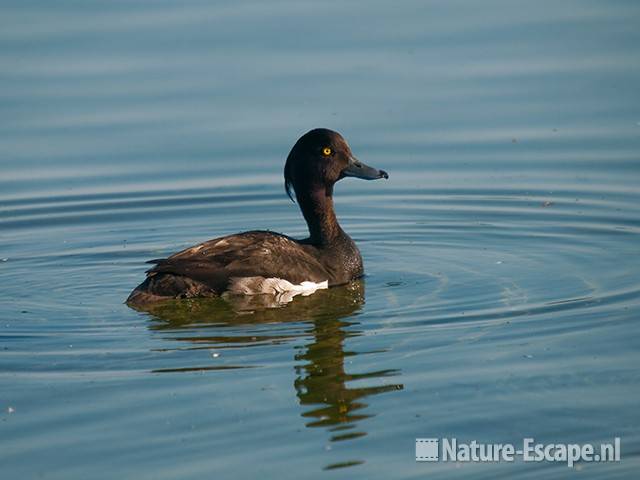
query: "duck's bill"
360, 170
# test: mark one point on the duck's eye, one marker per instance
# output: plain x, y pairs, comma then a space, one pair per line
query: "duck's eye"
326, 151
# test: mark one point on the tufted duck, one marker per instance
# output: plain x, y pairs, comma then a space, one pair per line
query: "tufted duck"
265, 262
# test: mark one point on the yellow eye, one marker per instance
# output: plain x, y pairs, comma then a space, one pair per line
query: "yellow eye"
326, 151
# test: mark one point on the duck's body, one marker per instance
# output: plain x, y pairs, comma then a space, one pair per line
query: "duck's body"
250, 263
258, 262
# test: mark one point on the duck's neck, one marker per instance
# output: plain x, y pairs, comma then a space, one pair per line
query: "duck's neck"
317, 207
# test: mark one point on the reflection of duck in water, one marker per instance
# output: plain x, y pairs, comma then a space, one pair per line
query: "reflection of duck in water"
322, 382
322, 379
265, 262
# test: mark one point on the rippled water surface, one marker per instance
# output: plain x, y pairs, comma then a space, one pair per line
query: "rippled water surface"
502, 292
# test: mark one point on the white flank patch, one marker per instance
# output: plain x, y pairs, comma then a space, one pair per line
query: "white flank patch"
284, 289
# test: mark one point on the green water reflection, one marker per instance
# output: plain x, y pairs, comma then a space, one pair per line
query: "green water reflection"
329, 318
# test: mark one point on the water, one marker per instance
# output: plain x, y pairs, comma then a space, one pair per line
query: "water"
502, 292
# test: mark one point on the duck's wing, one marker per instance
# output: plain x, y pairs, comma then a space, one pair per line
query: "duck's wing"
257, 254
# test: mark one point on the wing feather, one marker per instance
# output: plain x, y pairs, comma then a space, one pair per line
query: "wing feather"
249, 254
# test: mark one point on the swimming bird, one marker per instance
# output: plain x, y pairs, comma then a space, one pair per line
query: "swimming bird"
264, 262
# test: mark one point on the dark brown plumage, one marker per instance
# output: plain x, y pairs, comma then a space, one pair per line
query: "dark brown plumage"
259, 261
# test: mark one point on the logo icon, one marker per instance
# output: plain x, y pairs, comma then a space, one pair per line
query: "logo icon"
426, 449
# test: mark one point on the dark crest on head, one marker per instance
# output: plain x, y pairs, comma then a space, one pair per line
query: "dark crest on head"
319, 154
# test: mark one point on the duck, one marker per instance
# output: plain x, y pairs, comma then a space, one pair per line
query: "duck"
265, 262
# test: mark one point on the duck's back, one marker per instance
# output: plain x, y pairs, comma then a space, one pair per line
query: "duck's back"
249, 262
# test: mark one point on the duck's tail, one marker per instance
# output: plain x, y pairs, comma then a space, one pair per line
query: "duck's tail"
159, 287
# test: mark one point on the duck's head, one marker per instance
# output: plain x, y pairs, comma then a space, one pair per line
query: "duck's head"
319, 159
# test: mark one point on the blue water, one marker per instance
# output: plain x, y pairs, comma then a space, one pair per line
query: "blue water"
502, 291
